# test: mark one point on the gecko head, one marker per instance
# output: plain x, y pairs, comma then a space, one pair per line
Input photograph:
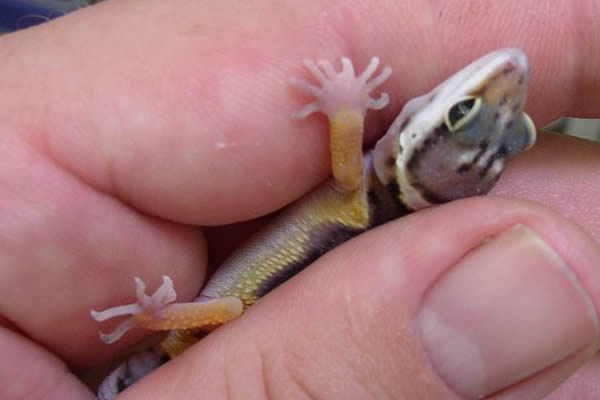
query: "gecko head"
455, 141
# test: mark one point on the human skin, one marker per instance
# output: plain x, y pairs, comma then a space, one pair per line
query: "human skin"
127, 123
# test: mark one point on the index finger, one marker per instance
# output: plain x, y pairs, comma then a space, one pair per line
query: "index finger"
188, 119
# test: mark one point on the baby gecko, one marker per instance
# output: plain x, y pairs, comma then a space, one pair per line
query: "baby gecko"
451, 143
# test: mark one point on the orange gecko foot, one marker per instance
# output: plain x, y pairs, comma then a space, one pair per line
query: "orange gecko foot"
345, 99
160, 312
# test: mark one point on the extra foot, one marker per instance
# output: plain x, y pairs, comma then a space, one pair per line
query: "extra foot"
130, 371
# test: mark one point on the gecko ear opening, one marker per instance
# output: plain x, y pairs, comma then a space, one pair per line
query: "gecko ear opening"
462, 112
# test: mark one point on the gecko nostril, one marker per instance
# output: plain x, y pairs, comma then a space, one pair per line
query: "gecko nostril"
509, 67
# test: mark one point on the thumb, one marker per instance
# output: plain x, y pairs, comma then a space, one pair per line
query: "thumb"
481, 297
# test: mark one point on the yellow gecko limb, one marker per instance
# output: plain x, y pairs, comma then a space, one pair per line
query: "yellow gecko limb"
160, 312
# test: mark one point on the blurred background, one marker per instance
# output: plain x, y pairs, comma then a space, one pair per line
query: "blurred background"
19, 14
583, 128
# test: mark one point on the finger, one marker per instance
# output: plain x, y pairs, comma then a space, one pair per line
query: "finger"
33, 373
65, 249
190, 120
583, 384
479, 297
561, 173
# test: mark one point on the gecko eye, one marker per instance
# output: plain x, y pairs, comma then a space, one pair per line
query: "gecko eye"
462, 112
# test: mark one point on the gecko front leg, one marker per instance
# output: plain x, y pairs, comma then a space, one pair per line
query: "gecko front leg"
345, 99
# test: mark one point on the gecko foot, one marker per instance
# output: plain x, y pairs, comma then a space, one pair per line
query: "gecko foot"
141, 311
159, 312
345, 99
342, 90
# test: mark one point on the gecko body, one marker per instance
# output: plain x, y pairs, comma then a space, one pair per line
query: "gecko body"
451, 143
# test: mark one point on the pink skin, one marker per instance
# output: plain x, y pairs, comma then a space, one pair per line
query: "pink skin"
112, 142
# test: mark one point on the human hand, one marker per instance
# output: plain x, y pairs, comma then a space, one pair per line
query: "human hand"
186, 121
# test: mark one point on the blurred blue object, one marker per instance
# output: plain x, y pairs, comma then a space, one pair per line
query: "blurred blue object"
19, 14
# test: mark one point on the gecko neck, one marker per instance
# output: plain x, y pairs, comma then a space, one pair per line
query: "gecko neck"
384, 199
